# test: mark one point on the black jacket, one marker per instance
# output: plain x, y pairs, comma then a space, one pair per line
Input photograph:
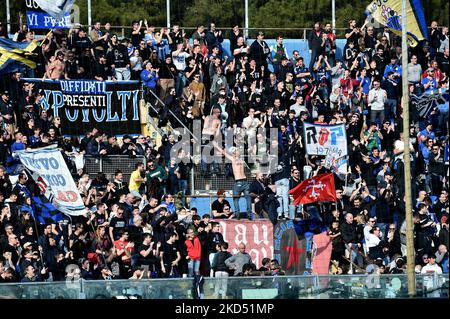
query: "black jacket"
259, 52
102, 70
213, 239
314, 41
211, 40
94, 147
218, 263
349, 233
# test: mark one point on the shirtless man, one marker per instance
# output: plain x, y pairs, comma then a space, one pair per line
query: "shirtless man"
241, 184
212, 123
211, 130
55, 69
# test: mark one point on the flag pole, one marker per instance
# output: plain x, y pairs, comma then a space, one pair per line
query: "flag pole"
407, 161
36, 229
8, 18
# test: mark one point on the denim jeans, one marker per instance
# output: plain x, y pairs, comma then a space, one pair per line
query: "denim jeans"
293, 211
206, 165
377, 114
182, 187
238, 188
354, 255
180, 83
193, 267
283, 196
210, 260
123, 74
443, 119
221, 285
390, 108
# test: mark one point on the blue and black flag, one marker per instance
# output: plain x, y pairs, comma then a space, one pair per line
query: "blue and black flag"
44, 211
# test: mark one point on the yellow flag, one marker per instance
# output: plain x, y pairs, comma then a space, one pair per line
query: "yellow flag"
388, 13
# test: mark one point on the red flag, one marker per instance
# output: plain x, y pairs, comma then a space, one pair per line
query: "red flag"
319, 188
322, 254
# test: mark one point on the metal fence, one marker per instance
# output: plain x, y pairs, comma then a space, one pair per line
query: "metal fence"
124, 31
262, 287
111, 163
201, 182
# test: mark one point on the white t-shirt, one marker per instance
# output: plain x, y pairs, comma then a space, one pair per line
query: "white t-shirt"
180, 60
372, 241
298, 108
431, 269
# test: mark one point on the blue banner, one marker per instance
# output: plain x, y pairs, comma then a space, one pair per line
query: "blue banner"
42, 20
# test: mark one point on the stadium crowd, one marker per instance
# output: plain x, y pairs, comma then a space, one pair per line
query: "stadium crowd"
136, 228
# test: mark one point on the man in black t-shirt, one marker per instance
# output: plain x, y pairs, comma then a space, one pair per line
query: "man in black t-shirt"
170, 256
102, 70
218, 205
148, 252
389, 136
117, 224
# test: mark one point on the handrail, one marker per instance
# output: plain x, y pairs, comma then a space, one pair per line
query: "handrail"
164, 105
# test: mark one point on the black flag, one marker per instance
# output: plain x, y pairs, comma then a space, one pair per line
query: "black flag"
426, 103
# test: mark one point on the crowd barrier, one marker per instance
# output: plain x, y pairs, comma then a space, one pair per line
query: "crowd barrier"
280, 287
110, 164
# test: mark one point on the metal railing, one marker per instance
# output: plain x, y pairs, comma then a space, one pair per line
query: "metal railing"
260, 287
201, 182
111, 163
125, 30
